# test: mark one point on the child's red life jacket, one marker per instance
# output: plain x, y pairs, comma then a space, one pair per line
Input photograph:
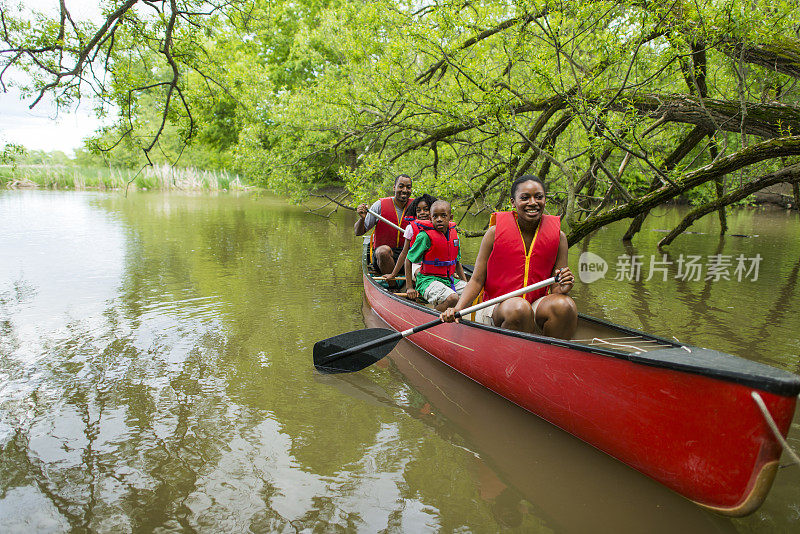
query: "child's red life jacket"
415, 229
509, 267
441, 257
385, 234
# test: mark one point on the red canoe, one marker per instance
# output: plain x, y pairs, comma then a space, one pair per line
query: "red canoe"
683, 415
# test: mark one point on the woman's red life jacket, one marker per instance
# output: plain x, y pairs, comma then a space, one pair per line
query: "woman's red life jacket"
441, 257
385, 234
509, 266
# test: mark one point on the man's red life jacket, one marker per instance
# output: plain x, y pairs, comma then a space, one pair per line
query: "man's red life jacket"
385, 234
441, 257
509, 266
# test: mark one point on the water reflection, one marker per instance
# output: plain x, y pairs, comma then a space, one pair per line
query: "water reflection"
641, 296
700, 314
155, 373
778, 312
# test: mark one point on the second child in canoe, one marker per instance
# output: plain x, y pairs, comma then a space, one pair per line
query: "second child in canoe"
441, 278
421, 207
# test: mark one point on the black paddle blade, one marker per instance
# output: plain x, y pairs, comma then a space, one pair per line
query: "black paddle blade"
344, 354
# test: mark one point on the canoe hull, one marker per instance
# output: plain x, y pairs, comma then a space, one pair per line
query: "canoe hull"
703, 437
567, 483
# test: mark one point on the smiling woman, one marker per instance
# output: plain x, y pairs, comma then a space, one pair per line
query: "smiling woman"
519, 248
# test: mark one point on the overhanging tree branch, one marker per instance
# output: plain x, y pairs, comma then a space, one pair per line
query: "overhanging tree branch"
774, 148
788, 175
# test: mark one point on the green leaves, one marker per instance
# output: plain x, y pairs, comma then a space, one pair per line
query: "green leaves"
463, 96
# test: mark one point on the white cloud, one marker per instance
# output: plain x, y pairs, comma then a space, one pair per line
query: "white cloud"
41, 128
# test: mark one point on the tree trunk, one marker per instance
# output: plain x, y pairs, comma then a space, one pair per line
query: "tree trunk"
774, 148
680, 152
769, 119
723, 219
550, 140
788, 174
720, 188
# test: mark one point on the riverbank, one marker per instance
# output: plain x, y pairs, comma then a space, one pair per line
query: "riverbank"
783, 195
158, 177
167, 178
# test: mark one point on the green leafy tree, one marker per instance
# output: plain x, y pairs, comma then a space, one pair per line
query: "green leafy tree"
143, 60
621, 105
11, 153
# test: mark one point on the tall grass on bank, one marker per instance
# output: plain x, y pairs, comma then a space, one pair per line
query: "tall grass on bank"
159, 177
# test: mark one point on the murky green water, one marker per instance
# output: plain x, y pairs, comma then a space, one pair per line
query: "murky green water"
155, 374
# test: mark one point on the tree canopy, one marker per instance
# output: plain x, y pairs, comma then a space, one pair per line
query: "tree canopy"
620, 105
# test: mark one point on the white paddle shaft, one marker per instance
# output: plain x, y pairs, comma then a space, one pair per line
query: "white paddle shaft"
501, 298
387, 221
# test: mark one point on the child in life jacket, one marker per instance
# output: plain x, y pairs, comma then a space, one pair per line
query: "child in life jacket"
421, 208
441, 278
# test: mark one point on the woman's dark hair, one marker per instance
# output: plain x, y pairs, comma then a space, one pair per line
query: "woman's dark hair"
526, 178
422, 198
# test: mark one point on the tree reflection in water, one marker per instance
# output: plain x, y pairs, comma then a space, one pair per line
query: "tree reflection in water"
185, 398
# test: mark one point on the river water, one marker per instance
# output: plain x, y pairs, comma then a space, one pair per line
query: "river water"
155, 374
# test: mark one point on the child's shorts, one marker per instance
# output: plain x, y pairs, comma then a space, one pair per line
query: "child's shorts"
437, 292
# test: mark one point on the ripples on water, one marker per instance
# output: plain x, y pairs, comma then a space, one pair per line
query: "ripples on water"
155, 373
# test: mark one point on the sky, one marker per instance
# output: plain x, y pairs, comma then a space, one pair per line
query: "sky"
41, 128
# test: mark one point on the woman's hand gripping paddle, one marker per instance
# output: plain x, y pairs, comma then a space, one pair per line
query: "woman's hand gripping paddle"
354, 351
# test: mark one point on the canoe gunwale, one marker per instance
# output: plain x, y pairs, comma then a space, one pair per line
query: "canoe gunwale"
676, 356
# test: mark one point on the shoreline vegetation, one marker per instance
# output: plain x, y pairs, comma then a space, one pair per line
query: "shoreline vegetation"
158, 177
163, 177
619, 108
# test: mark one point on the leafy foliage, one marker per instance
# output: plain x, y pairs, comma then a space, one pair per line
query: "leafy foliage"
610, 101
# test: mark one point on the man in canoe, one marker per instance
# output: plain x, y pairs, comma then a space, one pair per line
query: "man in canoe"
387, 242
520, 248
